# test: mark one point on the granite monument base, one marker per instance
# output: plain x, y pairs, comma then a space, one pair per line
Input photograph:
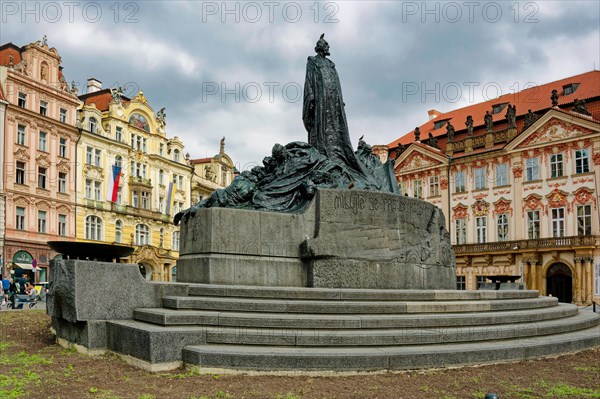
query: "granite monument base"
344, 239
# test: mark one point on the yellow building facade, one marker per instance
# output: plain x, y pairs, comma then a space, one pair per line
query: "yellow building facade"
212, 173
132, 179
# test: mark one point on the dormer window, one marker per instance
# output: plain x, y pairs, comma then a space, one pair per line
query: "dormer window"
439, 124
570, 88
93, 124
176, 155
496, 109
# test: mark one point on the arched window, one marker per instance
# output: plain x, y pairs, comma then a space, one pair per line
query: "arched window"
118, 231
176, 241
93, 228
176, 155
142, 234
119, 161
93, 124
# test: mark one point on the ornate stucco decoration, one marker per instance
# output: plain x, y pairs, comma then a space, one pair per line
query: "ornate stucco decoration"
558, 199
533, 202
556, 130
22, 154
140, 98
63, 166
502, 206
460, 211
480, 208
416, 160
43, 160
517, 170
584, 196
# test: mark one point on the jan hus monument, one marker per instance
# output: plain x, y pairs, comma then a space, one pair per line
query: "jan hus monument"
317, 214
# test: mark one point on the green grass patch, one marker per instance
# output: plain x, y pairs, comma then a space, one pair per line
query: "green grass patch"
566, 391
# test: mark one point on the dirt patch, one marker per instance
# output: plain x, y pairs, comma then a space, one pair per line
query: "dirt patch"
33, 366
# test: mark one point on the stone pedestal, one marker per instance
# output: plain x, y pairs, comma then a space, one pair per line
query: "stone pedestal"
344, 239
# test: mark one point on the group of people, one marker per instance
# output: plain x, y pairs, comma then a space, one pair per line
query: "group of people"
17, 292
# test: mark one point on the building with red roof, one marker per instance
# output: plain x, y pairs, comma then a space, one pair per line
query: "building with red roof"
519, 187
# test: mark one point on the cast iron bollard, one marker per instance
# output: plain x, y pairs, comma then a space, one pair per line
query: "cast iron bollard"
492, 396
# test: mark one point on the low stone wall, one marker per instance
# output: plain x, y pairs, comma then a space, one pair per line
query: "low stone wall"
345, 239
83, 295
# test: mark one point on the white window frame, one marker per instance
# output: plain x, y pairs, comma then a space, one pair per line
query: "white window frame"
480, 178
558, 222
43, 141
459, 182
582, 161
481, 229
556, 165
62, 147
533, 224
20, 214
93, 228
62, 182
142, 234
501, 174
532, 169
42, 222
460, 231
503, 227
22, 135
63, 115
584, 220
62, 225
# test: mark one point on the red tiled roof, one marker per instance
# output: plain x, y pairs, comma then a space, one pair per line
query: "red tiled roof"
201, 160
536, 98
100, 98
7, 50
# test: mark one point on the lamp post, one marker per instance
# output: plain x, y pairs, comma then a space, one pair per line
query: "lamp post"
34, 267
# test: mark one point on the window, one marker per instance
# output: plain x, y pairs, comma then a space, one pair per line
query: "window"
144, 145
480, 280
176, 155
582, 161
43, 108
417, 188
62, 147
62, 182
434, 186
119, 161
97, 157
496, 109
558, 222
161, 149
62, 225
20, 175
144, 170
502, 224
461, 231
97, 190
93, 124
20, 221
132, 142
21, 133
89, 154
118, 231
142, 234
176, 241
533, 225
178, 206
501, 174
43, 141
161, 204
570, 88
22, 102
556, 165
461, 283
119, 195
584, 220
88, 189
63, 115
459, 182
161, 177
138, 142
145, 199
42, 215
135, 201
532, 169
439, 124
481, 229
42, 178
180, 184
119, 134
93, 228
480, 178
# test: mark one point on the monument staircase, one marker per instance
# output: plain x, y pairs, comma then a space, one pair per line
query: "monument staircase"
289, 328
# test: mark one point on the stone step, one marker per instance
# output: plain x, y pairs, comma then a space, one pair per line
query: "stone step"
391, 337
351, 307
387, 357
346, 294
163, 316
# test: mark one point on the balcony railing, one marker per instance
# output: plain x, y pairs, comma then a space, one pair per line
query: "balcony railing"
521, 245
146, 213
94, 204
140, 180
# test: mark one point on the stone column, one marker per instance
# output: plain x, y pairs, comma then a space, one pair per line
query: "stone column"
577, 295
534, 274
589, 273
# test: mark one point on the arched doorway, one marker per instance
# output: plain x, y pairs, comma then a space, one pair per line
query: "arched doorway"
146, 271
559, 282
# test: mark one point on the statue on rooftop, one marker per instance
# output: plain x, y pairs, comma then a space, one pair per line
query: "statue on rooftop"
469, 125
432, 141
449, 131
580, 107
554, 98
417, 134
511, 116
530, 119
489, 121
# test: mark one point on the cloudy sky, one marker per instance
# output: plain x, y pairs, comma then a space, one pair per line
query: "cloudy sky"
236, 69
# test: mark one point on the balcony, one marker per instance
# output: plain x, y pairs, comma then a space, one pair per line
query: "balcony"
94, 204
140, 181
145, 213
527, 245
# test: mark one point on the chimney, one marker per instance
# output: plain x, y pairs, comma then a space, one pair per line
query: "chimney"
93, 85
433, 113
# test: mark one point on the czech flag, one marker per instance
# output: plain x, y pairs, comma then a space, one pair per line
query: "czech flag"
113, 184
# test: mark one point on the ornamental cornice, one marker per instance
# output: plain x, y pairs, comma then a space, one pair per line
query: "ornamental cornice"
21, 154
63, 166
43, 160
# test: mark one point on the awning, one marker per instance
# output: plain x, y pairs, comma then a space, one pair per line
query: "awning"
23, 266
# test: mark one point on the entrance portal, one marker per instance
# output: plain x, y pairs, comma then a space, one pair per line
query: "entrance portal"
559, 282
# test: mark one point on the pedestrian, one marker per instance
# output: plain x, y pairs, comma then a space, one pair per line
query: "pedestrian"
12, 292
5, 289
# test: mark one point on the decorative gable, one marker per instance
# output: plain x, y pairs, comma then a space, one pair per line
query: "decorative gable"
533, 202
558, 199
502, 206
460, 211
416, 160
555, 130
584, 196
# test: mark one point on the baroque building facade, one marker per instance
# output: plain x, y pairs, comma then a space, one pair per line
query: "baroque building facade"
212, 173
39, 156
133, 179
518, 179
